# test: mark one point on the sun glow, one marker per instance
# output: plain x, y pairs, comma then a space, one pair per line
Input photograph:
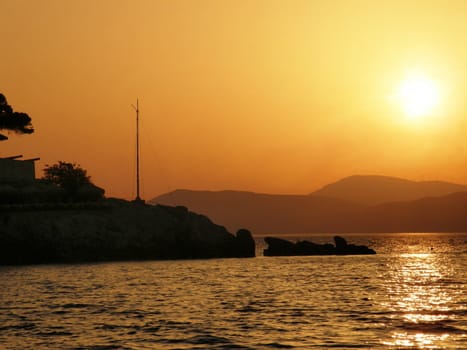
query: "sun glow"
419, 96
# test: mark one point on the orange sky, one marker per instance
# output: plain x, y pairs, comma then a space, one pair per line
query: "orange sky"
265, 96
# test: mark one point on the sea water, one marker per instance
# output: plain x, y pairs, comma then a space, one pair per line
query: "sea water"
411, 295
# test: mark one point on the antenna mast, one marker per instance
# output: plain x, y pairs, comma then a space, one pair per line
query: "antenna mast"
138, 198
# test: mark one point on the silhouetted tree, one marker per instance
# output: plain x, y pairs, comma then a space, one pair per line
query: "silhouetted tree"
74, 181
14, 121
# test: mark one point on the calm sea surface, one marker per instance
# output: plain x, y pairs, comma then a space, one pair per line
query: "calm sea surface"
411, 295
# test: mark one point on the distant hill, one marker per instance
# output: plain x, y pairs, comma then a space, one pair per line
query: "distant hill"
434, 214
372, 189
395, 205
260, 212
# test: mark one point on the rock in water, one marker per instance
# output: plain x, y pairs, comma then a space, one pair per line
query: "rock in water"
278, 247
342, 248
340, 242
245, 244
282, 247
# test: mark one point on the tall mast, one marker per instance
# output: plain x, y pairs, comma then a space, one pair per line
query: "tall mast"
138, 198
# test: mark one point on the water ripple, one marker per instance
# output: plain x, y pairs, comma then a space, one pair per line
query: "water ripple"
397, 299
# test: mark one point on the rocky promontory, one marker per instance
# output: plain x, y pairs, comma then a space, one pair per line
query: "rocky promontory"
282, 247
113, 230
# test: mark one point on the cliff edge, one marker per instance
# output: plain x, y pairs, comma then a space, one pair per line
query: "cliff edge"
114, 230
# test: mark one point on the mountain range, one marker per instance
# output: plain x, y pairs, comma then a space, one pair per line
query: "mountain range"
353, 204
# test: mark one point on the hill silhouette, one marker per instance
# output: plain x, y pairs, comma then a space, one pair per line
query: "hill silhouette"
396, 205
433, 214
260, 212
373, 189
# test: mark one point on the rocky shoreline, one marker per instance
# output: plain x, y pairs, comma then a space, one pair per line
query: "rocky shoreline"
282, 247
114, 230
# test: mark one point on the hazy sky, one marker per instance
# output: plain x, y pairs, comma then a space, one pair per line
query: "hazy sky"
265, 96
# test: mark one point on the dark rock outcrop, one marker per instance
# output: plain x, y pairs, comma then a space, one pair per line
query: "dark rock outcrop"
282, 247
342, 248
114, 230
245, 245
279, 246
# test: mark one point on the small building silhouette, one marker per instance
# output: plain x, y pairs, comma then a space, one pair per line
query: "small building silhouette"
14, 170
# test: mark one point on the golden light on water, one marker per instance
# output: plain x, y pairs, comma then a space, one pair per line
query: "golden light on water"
419, 340
422, 304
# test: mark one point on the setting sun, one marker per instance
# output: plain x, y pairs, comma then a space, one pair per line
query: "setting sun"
419, 96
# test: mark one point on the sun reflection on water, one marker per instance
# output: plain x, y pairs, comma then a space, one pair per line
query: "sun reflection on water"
419, 301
